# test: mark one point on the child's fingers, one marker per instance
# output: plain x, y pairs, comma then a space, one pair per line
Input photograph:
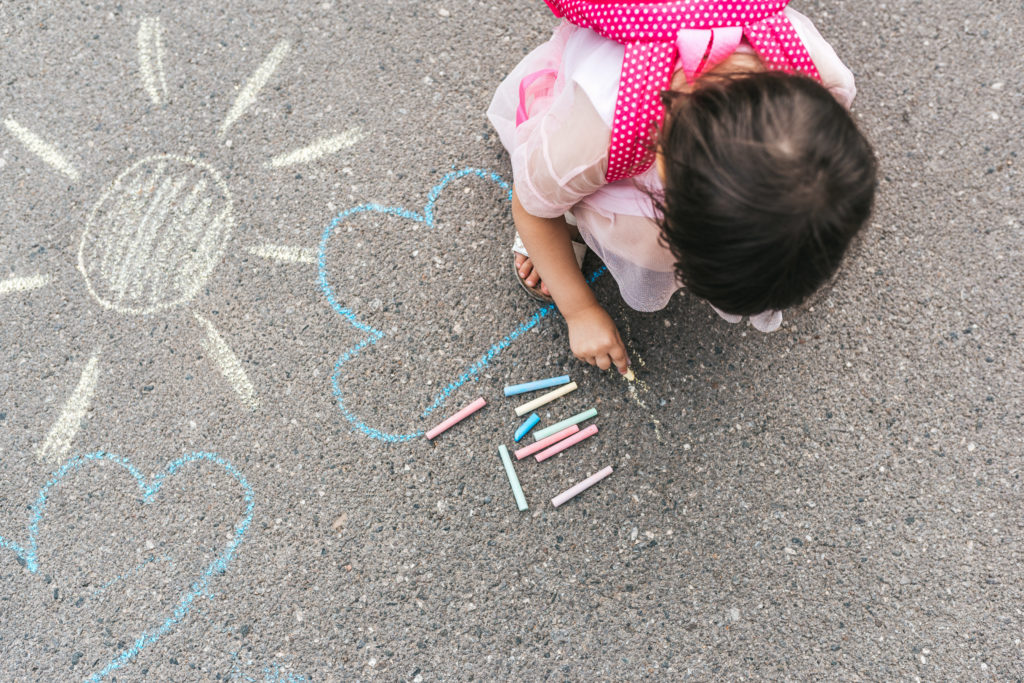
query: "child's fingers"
621, 359
604, 361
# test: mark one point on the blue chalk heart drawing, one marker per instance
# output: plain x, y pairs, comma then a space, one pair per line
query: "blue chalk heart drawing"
149, 490
374, 335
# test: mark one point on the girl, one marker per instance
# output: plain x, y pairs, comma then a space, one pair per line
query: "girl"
688, 143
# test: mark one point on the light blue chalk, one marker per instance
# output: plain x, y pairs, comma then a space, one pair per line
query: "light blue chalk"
513, 480
525, 428
567, 422
534, 386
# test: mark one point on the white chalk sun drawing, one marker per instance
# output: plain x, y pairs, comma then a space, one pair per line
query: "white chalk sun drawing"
154, 237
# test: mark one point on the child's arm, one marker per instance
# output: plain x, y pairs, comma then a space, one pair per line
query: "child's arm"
593, 337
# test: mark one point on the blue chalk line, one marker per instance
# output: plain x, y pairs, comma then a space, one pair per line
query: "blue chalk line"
149, 489
374, 335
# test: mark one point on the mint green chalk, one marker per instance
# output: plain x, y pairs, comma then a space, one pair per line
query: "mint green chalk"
517, 490
567, 422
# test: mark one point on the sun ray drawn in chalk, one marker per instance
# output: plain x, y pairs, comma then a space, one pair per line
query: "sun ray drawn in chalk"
317, 149
58, 442
42, 149
227, 362
151, 58
247, 96
152, 240
24, 284
287, 254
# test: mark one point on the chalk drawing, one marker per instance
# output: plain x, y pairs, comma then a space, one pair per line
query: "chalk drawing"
42, 149
149, 489
149, 560
58, 441
23, 284
228, 364
256, 82
155, 235
426, 217
288, 254
151, 58
317, 149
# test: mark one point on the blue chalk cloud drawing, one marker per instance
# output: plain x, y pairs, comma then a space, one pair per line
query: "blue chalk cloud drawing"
372, 335
28, 553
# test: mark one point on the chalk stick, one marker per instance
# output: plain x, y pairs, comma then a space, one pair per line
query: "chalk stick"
514, 389
544, 443
524, 428
513, 480
545, 399
559, 426
457, 417
579, 488
565, 443
630, 377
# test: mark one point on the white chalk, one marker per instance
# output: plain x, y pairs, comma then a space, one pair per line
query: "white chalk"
63, 431
151, 58
23, 284
227, 362
42, 149
579, 488
255, 83
279, 252
317, 149
545, 399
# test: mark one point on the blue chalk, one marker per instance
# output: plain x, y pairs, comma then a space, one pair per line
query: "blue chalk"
525, 428
534, 386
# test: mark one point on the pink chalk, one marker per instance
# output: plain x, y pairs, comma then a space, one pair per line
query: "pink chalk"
562, 445
545, 442
571, 493
457, 417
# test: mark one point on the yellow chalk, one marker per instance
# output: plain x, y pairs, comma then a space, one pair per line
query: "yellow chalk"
545, 399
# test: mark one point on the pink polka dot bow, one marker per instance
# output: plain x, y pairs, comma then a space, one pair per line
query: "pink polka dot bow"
653, 33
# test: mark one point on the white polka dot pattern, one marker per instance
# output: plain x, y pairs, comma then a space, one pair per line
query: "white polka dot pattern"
649, 31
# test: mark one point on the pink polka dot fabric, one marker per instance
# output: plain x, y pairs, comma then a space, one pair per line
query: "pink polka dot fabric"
649, 31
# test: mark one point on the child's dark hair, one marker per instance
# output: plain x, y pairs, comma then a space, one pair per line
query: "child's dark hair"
767, 180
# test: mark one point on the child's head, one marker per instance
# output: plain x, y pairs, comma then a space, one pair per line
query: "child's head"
767, 180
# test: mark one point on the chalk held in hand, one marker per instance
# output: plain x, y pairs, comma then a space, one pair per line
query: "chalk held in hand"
525, 428
559, 426
513, 480
579, 488
565, 443
545, 399
544, 443
534, 386
457, 417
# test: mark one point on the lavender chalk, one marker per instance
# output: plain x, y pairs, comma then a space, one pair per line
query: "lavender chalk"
579, 488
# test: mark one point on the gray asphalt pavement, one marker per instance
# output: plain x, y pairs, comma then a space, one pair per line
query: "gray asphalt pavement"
241, 272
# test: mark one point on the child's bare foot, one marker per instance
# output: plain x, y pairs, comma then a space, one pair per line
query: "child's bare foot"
529, 276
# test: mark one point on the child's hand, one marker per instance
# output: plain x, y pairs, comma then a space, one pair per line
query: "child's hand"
594, 339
